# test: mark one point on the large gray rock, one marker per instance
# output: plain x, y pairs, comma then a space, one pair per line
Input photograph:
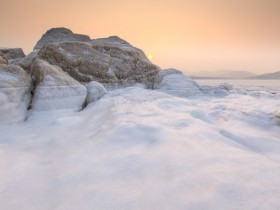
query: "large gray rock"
12, 53
95, 91
55, 89
174, 82
15, 85
108, 60
3, 59
56, 35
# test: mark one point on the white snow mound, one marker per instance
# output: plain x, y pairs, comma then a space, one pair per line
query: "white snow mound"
144, 149
174, 82
15, 87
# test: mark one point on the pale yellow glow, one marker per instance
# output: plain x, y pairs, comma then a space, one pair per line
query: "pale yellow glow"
150, 56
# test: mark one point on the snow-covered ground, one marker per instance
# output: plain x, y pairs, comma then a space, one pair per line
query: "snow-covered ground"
143, 149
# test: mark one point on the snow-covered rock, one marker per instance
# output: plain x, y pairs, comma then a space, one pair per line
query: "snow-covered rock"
12, 53
95, 91
217, 91
56, 35
15, 85
174, 82
3, 59
104, 61
55, 89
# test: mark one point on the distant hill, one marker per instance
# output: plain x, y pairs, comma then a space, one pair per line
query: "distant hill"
274, 75
222, 74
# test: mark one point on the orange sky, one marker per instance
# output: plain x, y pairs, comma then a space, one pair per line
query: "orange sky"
191, 35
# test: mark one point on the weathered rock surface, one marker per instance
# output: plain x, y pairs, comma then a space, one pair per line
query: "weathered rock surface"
110, 60
56, 35
55, 89
12, 53
174, 82
26, 62
15, 85
3, 59
95, 91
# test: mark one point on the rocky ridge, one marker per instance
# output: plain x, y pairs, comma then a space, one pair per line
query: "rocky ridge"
67, 71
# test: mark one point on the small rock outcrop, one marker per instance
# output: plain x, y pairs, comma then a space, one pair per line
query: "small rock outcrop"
12, 53
103, 60
15, 85
3, 59
56, 35
174, 82
55, 89
95, 91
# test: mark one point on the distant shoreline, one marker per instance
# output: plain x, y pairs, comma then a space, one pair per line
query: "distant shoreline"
219, 78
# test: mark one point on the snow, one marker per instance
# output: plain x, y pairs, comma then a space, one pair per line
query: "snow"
95, 91
174, 82
14, 94
145, 149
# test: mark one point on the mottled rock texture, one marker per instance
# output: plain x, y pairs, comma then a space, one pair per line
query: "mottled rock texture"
56, 35
3, 59
12, 53
108, 60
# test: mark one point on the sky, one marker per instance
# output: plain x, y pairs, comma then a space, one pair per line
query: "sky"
190, 35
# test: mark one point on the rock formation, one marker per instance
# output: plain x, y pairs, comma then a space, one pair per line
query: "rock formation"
103, 60
174, 82
59, 63
15, 85
95, 91
12, 53
55, 89
26, 62
56, 35
3, 59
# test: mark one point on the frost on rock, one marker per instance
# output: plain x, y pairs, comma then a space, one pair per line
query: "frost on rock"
55, 89
15, 85
174, 82
95, 91
108, 61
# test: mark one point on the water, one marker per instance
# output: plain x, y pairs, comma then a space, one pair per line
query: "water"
273, 85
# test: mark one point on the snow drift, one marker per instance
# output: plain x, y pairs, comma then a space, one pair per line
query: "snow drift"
141, 149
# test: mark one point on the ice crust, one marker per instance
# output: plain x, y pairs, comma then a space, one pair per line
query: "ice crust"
145, 149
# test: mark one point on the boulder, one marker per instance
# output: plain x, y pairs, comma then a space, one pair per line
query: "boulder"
3, 59
15, 85
12, 53
95, 91
55, 89
56, 35
174, 82
106, 61
26, 62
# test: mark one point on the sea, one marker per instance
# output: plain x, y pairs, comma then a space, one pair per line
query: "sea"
272, 85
